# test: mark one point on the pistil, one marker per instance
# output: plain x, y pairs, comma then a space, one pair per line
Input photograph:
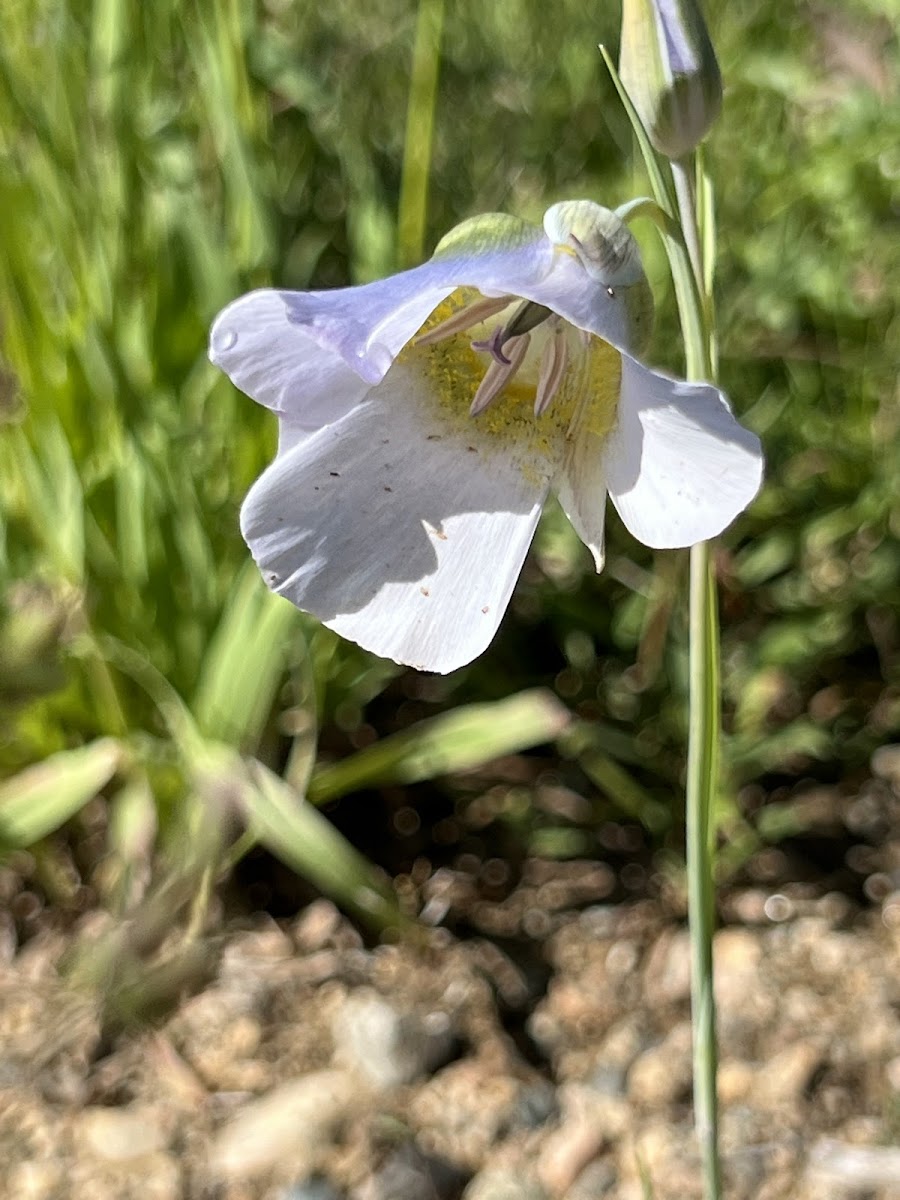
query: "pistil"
526, 317
508, 344
494, 345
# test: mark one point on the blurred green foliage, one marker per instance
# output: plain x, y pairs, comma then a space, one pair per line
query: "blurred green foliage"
157, 160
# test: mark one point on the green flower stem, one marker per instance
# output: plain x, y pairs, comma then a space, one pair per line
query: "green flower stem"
419, 133
687, 209
691, 254
703, 739
703, 733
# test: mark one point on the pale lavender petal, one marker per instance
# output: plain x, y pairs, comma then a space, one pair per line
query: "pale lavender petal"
313, 355
679, 466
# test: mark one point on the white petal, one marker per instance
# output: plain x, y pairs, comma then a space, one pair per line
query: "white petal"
679, 467
274, 359
582, 493
401, 526
290, 434
582, 484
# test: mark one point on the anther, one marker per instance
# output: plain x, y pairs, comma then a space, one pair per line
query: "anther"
464, 318
553, 367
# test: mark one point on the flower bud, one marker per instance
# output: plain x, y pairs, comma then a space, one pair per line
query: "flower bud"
668, 67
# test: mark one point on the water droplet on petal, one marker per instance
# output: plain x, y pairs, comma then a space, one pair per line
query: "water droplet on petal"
224, 340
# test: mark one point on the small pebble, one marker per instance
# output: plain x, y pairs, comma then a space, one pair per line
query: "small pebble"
621, 1045
892, 1074
587, 1123
783, 1078
317, 926
667, 974
294, 1122
735, 1081
120, 1134
886, 764
596, 1180
315, 1188
408, 1174
861, 1168
535, 1106
662, 1074
385, 1047
503, 1185
34, 1180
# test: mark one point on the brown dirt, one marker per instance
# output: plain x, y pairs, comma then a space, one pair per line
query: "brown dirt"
546, 1056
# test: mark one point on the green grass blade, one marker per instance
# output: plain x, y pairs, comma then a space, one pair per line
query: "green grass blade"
419, 133
244, 663
38, 800
455, 741
306, 840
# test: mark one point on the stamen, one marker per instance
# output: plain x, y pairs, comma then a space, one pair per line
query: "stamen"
553, 366
499, 374
464, 318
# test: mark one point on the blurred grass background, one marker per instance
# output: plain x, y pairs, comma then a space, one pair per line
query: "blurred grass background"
160, 711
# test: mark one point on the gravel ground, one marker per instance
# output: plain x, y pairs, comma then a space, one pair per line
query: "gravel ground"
535, 1044
546, 1057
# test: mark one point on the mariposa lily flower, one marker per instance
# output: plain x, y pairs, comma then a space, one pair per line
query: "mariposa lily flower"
425, 419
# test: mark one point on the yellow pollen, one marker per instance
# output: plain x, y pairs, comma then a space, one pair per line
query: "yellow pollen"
586, 397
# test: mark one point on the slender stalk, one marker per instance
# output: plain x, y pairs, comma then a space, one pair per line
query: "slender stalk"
687, 208
706, 219
419, 133
692, 260
703, 741
702, 762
